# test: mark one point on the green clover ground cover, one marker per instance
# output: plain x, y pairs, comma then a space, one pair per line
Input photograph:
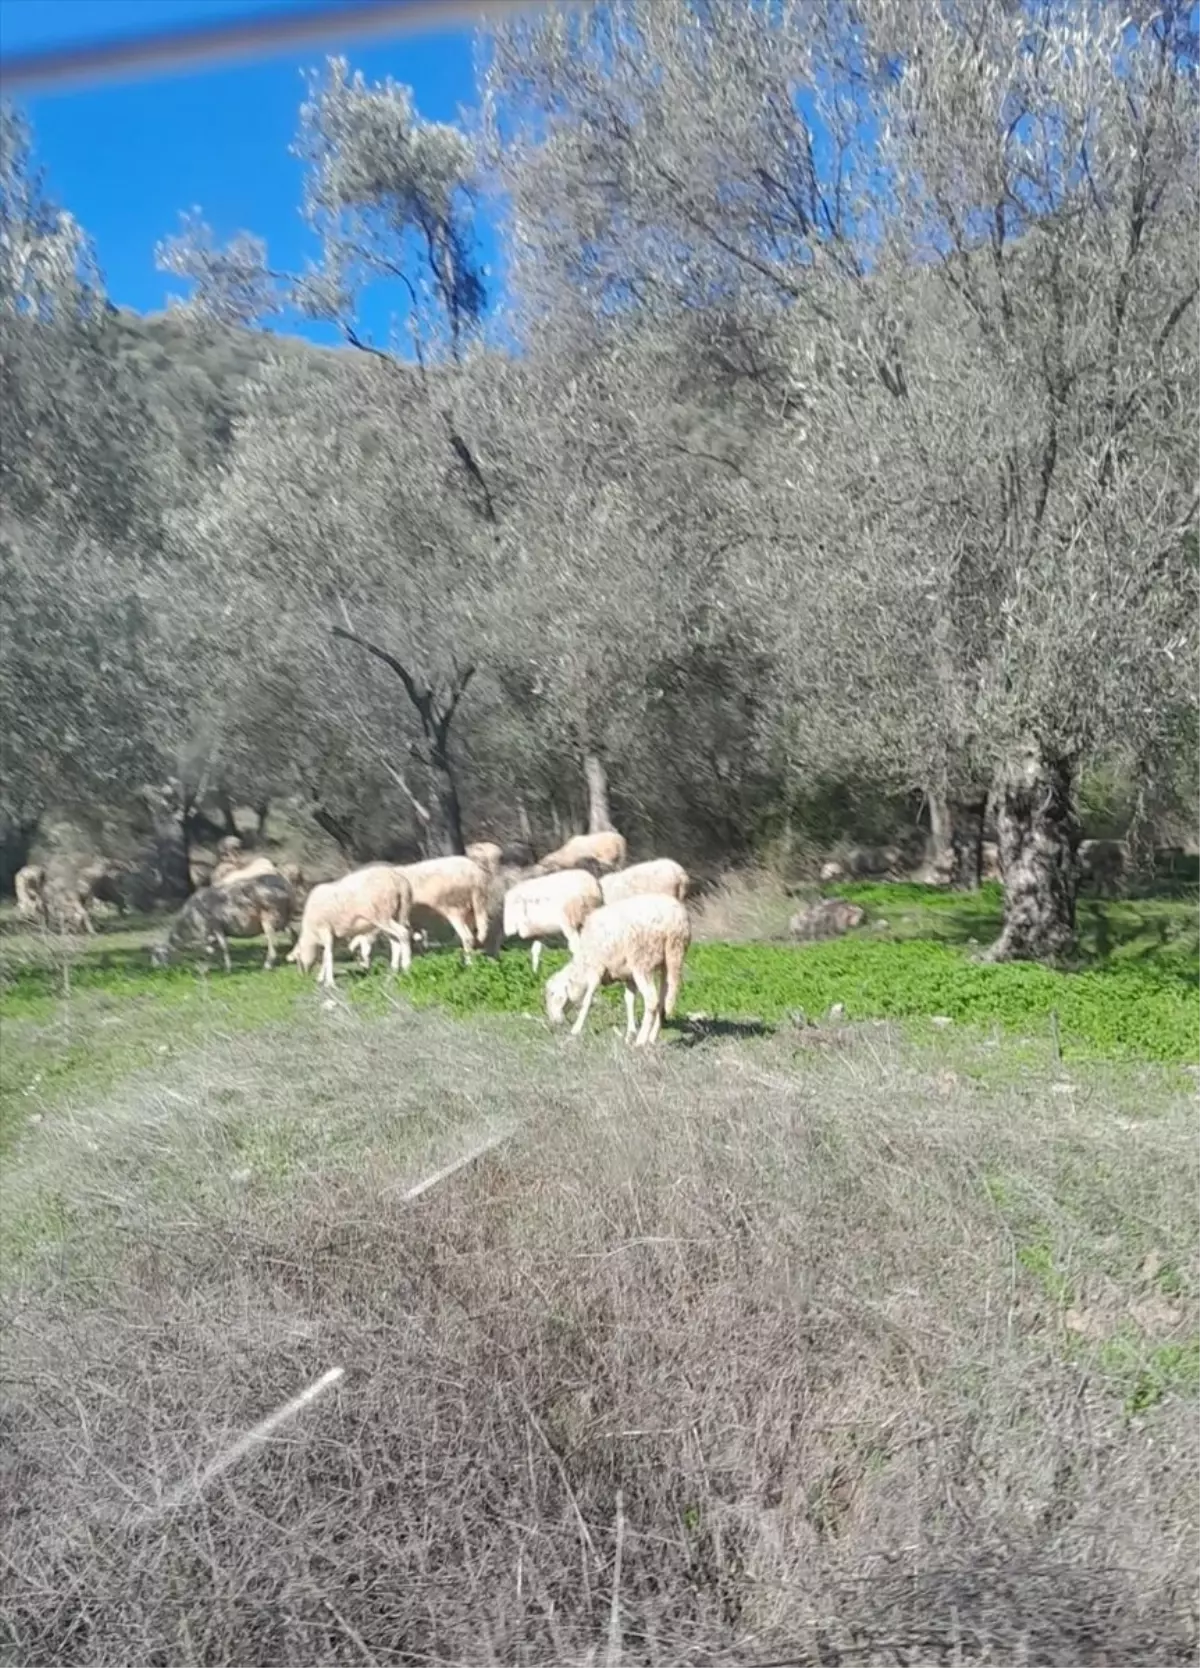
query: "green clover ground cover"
87, 1023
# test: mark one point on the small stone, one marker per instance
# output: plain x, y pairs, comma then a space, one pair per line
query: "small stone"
1062, 1088
880, 926
1152, 1265
164, 1048
1085, 1325
826, 918
1155, 1315
35, 1117
838, 1011
240, 1177
941, 1021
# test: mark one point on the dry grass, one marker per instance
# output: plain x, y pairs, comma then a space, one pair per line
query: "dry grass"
744, 906
861, 1357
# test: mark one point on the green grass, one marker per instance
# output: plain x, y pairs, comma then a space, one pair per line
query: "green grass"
78, 1024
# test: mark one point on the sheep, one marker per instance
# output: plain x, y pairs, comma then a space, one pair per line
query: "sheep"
633, 941
29, 884
104, 881
607, 849
660, 877
455, 888
543, 906
369, 901
215, 914
229, 873
51, 899
487, 854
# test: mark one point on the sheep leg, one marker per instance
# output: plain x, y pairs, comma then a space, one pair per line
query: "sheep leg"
674, 971
224, 943
361, 945
326, 974
401, 945
648, 986
593, 985
535, 953
269, 935
630, 1009
461, 926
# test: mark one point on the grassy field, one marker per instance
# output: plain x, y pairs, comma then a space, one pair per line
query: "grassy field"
826, 1340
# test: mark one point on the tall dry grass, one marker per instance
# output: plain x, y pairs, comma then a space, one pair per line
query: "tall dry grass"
728, 1355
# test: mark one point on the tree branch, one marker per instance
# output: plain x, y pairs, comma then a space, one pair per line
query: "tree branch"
420, 699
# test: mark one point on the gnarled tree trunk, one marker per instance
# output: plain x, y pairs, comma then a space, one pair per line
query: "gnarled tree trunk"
596, 778
1038, 834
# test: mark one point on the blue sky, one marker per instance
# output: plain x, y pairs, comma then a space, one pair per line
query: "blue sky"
128, 156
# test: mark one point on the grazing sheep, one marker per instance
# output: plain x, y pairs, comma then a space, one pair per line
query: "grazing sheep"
230, 870
547, 906
215, 914
454, 888
487, 854
660, 877
29, 884
51, 898
377, 899
608, 850
632, 941
104, 881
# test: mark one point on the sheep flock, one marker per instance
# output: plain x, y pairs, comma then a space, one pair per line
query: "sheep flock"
623, 924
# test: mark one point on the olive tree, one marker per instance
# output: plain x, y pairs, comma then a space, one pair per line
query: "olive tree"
973, 228
78, 512
395, 564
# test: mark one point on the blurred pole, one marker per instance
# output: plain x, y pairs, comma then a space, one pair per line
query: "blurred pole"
253, 35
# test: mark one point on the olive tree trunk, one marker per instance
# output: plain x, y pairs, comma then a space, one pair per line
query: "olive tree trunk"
599, 810
1038, 836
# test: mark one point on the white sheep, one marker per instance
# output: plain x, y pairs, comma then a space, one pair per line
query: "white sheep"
633, 941
232, 869
608, 849
454, 888
547, 906
487, 854
369, 901
659, 877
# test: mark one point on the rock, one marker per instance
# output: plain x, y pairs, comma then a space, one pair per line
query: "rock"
838, 1011
1103, 864
832, 871
875, 862
827, 918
